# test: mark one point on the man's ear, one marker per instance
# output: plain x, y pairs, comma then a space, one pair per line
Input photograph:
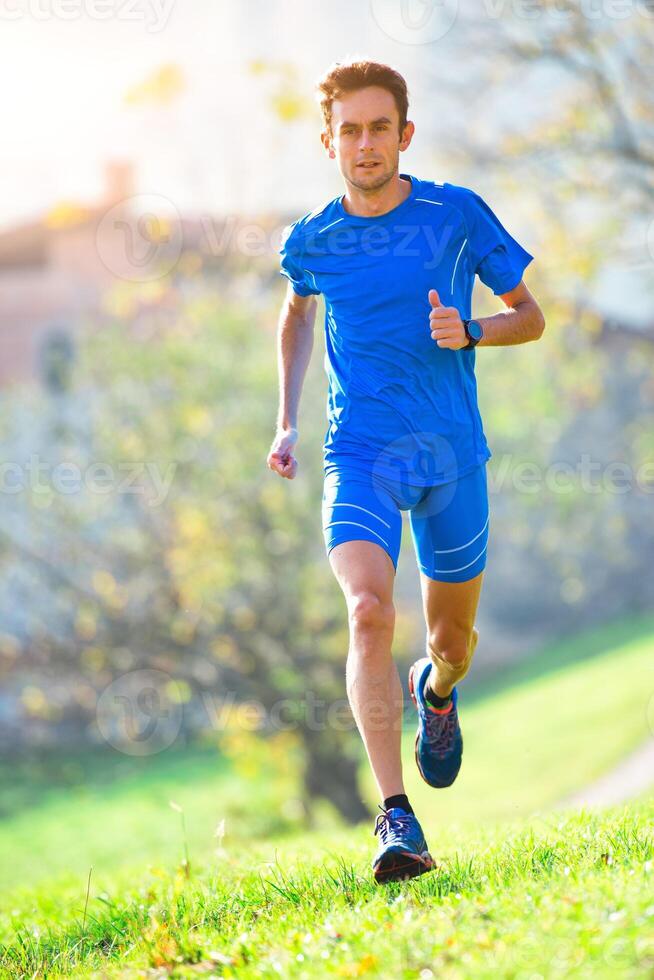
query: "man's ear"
407, 134
326, 141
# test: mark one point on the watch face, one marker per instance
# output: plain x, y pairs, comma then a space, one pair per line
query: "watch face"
475, 330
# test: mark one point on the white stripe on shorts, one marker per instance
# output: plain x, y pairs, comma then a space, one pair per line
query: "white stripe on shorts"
448, 551
449, 570
342, 503
354, 523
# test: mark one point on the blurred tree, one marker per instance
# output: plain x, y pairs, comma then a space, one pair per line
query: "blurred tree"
573, 146
186, 554
56, 355
596, 131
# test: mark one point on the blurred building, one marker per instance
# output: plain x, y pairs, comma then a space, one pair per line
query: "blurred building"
53, 272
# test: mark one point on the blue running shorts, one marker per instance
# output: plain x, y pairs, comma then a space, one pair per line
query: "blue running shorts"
449, 522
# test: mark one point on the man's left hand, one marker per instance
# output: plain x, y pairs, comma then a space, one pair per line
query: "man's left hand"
446, 324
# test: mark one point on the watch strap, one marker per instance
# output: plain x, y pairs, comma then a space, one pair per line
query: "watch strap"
472, 343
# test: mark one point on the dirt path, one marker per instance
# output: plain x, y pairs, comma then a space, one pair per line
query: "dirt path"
631, 778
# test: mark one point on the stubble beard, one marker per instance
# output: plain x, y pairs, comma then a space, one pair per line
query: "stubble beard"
374, 185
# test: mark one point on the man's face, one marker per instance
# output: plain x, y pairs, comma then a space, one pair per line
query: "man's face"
365, 139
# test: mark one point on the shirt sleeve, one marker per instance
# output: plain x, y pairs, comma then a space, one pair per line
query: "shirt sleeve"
291, 261
497, 258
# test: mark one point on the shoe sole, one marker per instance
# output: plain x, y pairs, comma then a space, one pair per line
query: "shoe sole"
415, 744
401, 866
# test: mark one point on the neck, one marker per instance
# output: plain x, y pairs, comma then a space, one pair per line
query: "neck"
372, 203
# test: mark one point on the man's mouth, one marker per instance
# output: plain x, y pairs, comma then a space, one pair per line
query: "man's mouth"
369, 165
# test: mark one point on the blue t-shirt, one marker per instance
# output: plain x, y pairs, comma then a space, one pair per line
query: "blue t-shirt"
397, 403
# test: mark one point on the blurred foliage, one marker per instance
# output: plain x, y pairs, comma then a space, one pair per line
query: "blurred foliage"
575, 157
285, 89
182, 552
590, 76
160, 88
66, 214
571, 477
190, 557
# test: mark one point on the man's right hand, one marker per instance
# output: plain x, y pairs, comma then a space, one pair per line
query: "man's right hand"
280, 458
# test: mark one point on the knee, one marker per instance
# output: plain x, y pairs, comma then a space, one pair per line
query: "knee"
450, 644
368, 612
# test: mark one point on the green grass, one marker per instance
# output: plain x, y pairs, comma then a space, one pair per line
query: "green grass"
563, 722
586, 644
502, 902
568, 896
116, 811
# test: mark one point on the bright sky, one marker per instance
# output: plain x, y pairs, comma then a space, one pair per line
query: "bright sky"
65, 68
66, 65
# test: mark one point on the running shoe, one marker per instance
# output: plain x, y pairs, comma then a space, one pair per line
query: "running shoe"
439, 743
403, 851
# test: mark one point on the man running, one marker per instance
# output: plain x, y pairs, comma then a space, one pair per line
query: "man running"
395, 258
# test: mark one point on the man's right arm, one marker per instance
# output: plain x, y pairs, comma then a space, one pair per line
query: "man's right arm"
294, 345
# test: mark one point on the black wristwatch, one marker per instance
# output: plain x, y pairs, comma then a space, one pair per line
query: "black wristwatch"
474, 333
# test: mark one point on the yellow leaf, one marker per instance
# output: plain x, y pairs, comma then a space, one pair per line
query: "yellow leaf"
103, 582
161, 88
66, 215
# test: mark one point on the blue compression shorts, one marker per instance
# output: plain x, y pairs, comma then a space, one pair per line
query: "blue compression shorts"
449, 522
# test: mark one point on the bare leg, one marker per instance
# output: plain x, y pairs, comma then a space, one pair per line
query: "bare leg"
366, 575
450, 609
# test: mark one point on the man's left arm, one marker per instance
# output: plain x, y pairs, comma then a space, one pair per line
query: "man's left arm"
523, 320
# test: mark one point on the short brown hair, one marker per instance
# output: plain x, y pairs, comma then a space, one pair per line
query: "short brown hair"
350, 76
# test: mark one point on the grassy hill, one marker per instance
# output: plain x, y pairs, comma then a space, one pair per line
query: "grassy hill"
570, 896
519, 890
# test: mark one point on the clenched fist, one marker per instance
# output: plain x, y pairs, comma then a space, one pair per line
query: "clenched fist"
281, 458
446, 324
